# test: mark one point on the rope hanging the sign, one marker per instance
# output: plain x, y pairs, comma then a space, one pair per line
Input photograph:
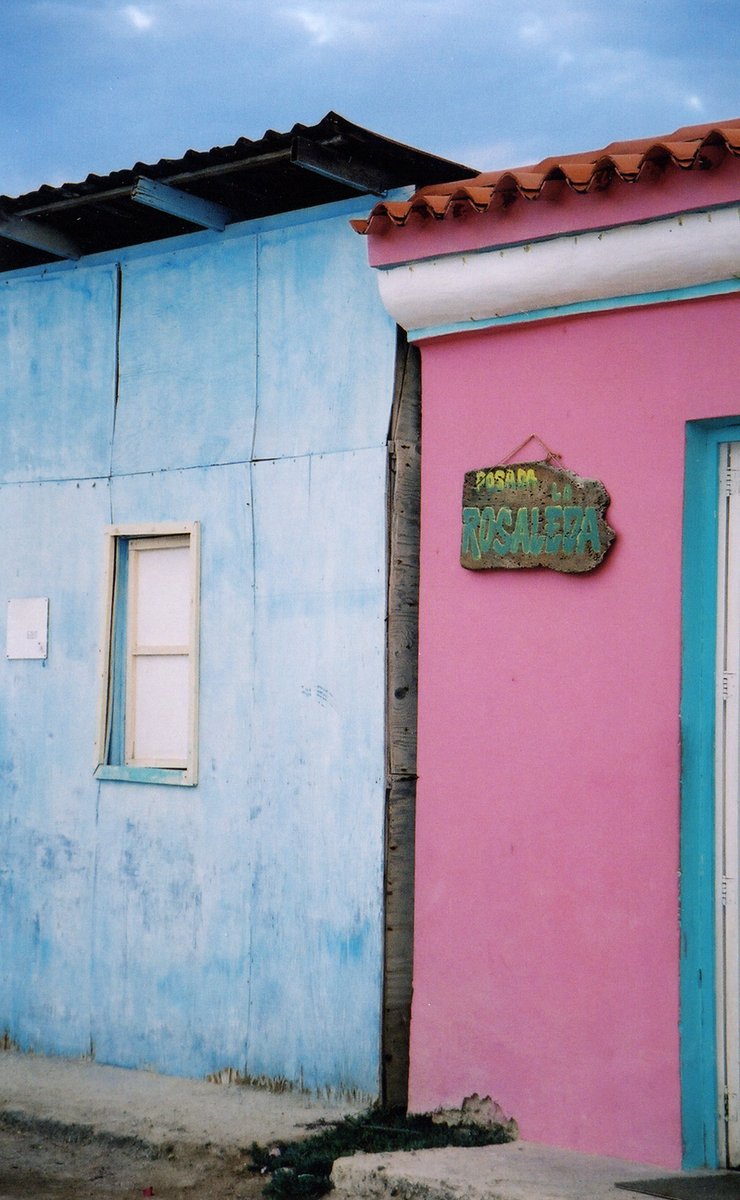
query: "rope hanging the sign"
552, 455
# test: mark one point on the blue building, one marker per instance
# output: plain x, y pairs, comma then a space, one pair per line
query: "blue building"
201, 416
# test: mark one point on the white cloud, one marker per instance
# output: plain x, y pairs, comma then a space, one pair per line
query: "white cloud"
319, 27
605, 56
644, 77
558, 35
534, 31
137, 17
554, 25
327, 25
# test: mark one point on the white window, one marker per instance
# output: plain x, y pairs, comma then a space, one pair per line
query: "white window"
147, 728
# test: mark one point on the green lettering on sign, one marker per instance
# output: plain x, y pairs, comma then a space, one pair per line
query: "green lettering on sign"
471, 521
533, 515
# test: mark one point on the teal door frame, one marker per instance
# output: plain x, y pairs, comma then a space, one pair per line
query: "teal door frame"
699, 1077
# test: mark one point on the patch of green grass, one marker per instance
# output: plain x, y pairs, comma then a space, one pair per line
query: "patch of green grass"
303, 1169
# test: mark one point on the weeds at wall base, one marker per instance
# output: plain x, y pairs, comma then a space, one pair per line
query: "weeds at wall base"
303, 1169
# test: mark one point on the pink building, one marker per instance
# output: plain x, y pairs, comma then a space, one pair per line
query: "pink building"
576, 947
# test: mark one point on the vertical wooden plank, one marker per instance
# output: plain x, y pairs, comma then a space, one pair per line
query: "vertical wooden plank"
57, 341
401, 709
317, 771
188, 347
49, 542
312, 400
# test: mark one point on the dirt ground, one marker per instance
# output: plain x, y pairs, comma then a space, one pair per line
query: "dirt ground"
47, 1166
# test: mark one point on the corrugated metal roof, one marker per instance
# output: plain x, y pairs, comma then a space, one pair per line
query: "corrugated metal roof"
692, 148
281, 172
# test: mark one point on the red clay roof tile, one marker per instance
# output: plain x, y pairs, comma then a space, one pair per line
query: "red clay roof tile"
694, 147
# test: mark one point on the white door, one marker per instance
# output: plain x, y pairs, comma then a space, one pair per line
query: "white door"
728, 800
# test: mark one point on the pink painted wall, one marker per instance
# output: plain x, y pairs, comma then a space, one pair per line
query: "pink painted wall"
546, 963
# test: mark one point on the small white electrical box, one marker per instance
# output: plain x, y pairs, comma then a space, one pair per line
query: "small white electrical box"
28, 628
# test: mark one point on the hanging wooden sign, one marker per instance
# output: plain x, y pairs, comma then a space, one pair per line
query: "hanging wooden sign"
533, 514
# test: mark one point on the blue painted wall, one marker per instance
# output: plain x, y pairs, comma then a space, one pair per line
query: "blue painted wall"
247, 386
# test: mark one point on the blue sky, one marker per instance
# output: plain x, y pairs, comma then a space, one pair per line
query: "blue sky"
96, 85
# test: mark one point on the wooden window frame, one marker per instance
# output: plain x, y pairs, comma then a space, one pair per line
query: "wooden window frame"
115, 758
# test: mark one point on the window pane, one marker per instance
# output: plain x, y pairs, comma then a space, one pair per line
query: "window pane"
163, 597
160, 709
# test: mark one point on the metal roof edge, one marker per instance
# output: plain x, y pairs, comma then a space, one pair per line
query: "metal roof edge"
225, 159
305, 167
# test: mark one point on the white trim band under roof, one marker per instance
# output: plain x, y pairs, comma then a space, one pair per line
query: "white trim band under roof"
566, 272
